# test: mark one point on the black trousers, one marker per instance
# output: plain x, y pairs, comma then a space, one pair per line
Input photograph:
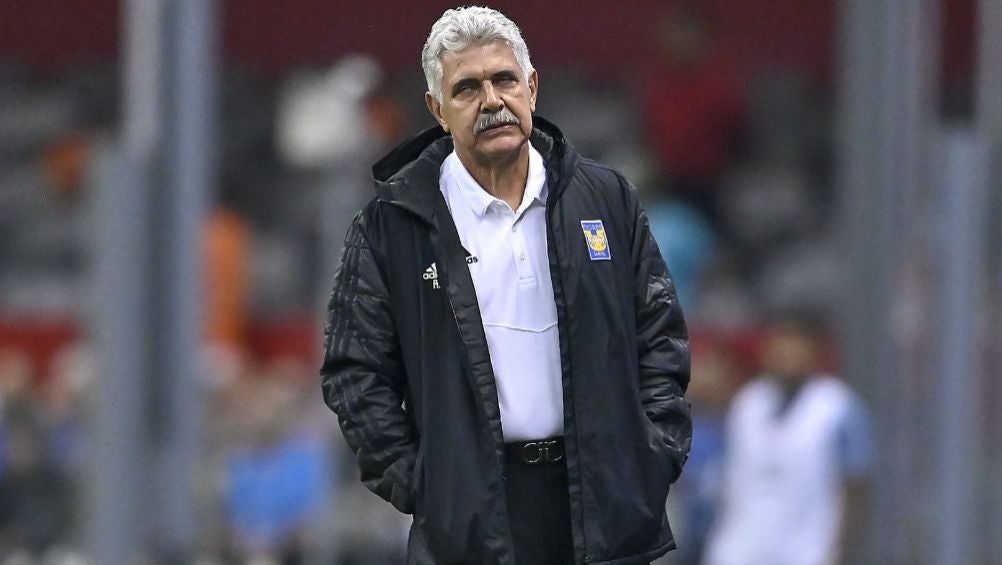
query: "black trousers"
539, 513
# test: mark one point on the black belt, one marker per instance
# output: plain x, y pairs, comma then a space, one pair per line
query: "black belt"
535, 452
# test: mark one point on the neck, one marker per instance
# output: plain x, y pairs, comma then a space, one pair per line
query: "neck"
503, 178
791, 387
789, 391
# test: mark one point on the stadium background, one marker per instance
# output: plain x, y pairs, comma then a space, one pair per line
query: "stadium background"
170, 215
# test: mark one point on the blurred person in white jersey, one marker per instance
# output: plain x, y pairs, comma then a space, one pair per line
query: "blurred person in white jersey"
798, 452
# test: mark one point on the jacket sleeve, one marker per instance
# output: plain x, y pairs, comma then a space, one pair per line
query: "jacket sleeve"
362, 376
662, 341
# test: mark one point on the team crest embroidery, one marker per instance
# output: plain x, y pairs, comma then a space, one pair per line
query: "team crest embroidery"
598, 243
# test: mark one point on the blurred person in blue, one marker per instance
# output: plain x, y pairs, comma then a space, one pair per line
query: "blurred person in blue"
277, 477
36, 494
505, 349
798, 453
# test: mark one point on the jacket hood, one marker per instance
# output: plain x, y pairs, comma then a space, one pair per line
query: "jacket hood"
408, 175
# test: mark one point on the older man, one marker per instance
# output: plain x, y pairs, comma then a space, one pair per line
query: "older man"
505, 350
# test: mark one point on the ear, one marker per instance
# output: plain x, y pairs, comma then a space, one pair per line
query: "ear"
435, 107
533, 89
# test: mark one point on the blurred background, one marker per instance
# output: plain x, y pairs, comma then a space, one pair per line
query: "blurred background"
176, 178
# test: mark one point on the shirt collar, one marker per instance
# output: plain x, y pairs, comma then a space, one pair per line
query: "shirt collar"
480, 200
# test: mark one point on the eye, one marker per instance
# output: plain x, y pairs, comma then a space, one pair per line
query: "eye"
463, 90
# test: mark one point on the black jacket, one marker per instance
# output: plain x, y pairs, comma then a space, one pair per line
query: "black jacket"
407, 369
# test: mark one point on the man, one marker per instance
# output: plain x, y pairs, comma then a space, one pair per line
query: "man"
505, 350
797, 455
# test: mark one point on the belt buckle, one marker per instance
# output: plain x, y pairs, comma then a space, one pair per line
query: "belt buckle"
536, 452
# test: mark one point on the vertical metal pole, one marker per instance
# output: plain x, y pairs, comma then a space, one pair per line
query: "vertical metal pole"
865, 321
120, 281
115, 523
150, 205
959, 295
886, 89
189, 152
914, 384
988, 107
988, 116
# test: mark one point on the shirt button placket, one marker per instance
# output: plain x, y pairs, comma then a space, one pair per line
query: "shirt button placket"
519, 247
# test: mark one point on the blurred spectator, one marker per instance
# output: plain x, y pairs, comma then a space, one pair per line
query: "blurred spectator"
798, 451
15, 388
36, 506
321, 115
687, 241
724, 299
276, 474
63, 395
694, 106
227, 278
697, 494
329, 126
64, 163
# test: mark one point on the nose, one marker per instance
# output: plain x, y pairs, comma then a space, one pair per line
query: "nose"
492, 102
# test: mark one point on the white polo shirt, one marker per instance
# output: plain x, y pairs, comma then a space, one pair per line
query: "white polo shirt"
511, 274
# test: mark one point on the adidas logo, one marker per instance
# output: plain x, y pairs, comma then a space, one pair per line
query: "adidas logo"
431, 274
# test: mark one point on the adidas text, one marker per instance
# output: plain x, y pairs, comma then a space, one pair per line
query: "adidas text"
431, 274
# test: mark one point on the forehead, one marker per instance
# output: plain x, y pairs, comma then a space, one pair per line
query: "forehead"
478, 60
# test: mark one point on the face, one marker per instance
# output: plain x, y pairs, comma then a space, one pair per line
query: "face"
713, 372
481, 85
790, 355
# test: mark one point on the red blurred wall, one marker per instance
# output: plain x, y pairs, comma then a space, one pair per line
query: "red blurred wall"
271, 36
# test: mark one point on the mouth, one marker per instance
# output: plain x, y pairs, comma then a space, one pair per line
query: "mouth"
496, 127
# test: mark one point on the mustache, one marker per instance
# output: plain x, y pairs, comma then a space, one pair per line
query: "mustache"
503, 117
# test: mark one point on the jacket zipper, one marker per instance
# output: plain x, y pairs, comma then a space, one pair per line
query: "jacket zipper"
563, 316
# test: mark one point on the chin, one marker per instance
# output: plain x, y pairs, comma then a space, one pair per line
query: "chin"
502, 146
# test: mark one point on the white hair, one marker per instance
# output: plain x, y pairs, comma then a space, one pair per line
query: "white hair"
459, 28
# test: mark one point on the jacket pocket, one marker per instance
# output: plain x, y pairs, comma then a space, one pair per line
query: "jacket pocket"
417, 480
667, 458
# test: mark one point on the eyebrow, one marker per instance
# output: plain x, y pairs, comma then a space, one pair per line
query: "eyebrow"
505, 74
